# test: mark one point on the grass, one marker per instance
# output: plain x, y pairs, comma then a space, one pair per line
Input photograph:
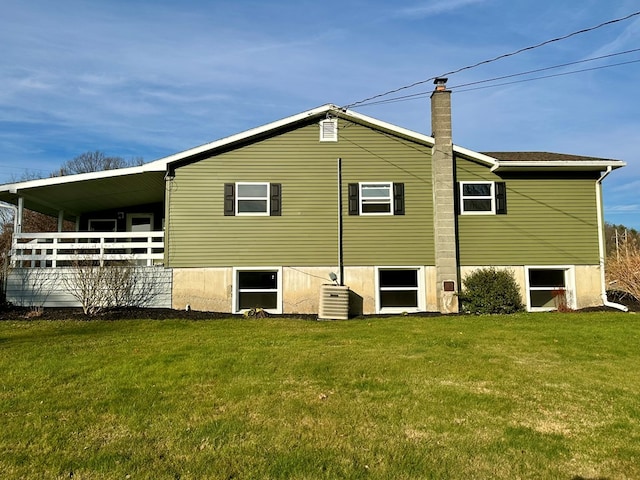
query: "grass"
524, 396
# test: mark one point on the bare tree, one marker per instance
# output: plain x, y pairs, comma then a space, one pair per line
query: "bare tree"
102, 287
94, 162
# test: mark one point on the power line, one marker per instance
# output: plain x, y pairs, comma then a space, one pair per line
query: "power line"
499, 57
551, 76
529, 72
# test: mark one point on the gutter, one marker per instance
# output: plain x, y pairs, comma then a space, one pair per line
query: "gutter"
601, 246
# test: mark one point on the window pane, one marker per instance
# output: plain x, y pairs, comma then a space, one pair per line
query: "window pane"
542, 299
402, 298
258, 280
546, 278
252, 206
398, 278
376, 191
249, 190
476, 189
102, 225
477, 205
247, 300
370, 207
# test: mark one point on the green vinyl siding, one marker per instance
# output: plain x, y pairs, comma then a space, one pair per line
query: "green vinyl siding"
550, 220
307, 231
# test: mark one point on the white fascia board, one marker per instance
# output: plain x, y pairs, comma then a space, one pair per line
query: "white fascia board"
561, 164
247, 134
389, 126
80, 177
490, 161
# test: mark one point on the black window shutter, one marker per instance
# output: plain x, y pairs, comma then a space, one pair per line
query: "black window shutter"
398, 198
354, 200
229, 199
276, 202
456, 198
501, 198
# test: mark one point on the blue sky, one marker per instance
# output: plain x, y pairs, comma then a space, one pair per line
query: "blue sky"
136, 78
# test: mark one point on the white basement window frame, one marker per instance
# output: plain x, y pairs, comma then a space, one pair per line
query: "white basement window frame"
257, 287
400, 289
477, 198
550, 286
252, 198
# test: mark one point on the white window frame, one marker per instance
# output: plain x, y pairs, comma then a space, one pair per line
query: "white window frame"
420, 289
491, 197
235, 295
569, 286
378, 200
267, 199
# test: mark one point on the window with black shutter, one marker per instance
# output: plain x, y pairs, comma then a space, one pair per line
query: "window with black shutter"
252, 199
376, 198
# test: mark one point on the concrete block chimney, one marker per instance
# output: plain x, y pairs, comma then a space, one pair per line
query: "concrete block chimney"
444, 212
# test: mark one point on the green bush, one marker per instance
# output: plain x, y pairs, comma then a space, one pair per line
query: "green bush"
489, 290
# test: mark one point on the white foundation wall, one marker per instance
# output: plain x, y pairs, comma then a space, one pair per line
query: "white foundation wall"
211, 289
585, 290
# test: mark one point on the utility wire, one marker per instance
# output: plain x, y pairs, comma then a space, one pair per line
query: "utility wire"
550, 76
499, 57
529, 72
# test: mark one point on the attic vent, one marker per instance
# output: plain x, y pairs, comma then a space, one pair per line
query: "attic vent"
329, 130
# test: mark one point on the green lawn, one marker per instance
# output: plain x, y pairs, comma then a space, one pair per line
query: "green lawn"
541, 396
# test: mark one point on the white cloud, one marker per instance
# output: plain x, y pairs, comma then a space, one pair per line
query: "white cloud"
437, 7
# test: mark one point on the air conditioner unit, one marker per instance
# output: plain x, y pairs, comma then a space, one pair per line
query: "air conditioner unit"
334, 302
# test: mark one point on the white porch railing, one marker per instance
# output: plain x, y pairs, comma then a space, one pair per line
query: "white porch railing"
67, 248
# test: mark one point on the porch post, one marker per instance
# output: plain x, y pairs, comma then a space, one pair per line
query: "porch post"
60, 220
18, 226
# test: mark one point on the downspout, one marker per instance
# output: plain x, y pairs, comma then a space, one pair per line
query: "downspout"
340, 227
601, 246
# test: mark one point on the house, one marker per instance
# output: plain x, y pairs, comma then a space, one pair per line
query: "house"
266, 217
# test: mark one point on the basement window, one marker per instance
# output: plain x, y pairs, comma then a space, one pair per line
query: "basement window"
549, 288
399, 289
258, 288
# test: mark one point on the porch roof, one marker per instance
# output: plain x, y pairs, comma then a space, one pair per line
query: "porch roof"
77, 194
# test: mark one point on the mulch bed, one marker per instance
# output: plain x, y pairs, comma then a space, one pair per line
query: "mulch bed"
10, 312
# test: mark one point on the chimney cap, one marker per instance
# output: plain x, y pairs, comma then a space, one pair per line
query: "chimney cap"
440, 83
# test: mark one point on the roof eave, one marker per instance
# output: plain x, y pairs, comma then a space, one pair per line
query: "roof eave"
557, 165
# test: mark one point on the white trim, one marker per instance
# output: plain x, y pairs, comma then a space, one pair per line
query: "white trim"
491, 197
329, 130
234, 291
569, 282
420, 290
376, 200
162, 164
559, 164
266, 199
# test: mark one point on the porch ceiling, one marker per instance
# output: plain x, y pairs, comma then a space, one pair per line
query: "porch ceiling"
90, 194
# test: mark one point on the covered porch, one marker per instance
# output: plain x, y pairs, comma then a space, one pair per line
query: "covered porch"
107, 217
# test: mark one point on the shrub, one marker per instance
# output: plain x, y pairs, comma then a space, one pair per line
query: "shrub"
489, 290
